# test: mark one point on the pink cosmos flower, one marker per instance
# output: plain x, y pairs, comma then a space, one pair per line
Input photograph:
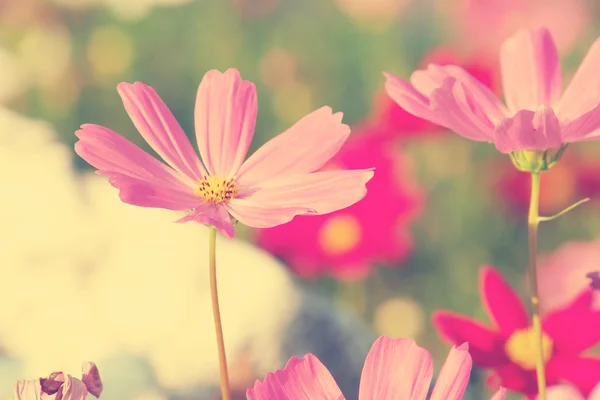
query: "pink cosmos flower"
537, 115
395, 369
347, 243
505, 347
272, 186
59, 386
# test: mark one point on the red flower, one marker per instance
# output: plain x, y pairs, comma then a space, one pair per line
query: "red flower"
346, 243
506, 346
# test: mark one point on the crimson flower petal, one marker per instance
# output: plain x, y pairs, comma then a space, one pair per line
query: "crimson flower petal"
582, 372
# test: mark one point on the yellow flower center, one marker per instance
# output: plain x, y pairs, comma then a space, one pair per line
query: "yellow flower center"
216, 190
521, 348
339, 234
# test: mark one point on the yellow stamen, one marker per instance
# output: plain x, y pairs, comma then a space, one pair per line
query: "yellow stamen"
340, 234
216, 190
520, 348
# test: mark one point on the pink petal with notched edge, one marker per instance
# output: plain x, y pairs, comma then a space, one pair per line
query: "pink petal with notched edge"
91, 379
395, 369
557, 324
585, 127
108, 151
301, 379
531, 73
583, 92
410, 99
257, 215
486, 346
459, 111
454, 375
502, 304
160, 129
528, 130
323, 192
224, 117
27, 390
304, 147
145, 194
582, 372
72, 389
499, 395
563, 392
210, 214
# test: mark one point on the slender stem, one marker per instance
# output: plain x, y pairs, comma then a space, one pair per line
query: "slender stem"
532, 224
225, 393
566, 210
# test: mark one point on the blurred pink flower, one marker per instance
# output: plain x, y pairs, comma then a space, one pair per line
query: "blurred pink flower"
562, 274
390, 118
60, 386
536, 117
271, 187
483, 24
347, 243
394, 369
505, 347
568, 392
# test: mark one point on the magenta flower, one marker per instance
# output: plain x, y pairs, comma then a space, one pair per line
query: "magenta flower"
59, 386
395, 369
537, 115
271, 187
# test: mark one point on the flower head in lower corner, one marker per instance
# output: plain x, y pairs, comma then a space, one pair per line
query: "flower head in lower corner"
568, 392
272, 186
506, 346
538, 120
347, 243
61, 386
394, 369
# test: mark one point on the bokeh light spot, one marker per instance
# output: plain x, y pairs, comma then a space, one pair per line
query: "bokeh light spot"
339, 234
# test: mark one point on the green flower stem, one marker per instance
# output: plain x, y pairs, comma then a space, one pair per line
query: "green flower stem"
566, 210
532, 224
225, 392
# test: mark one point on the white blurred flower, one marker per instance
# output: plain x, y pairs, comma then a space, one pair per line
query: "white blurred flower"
13, 79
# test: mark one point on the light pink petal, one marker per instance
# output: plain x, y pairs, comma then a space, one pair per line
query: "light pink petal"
72, 389
531, 73
279, 201
583, 93
410, 99
396, 369
304, 147
301, 379
160, 129
213, 215
225, 116
28, 390
585, 127
595, 395
454, 375
563, 392
91, 379
528, 130
500, 394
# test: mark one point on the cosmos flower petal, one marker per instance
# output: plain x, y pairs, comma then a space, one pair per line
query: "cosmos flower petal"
301, 379
584, 127
28, 390
500, 394
396, 369
409, 98
582, 93
213, 215
257, 215
224, 117
582, 372
557, 324
160, 129
515, 378
561, 392
528, 130
323, 192
454, 375
73, 389
531, 73
502, 304
595, 395
486, 346
304, 147
91, 379
113, 154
